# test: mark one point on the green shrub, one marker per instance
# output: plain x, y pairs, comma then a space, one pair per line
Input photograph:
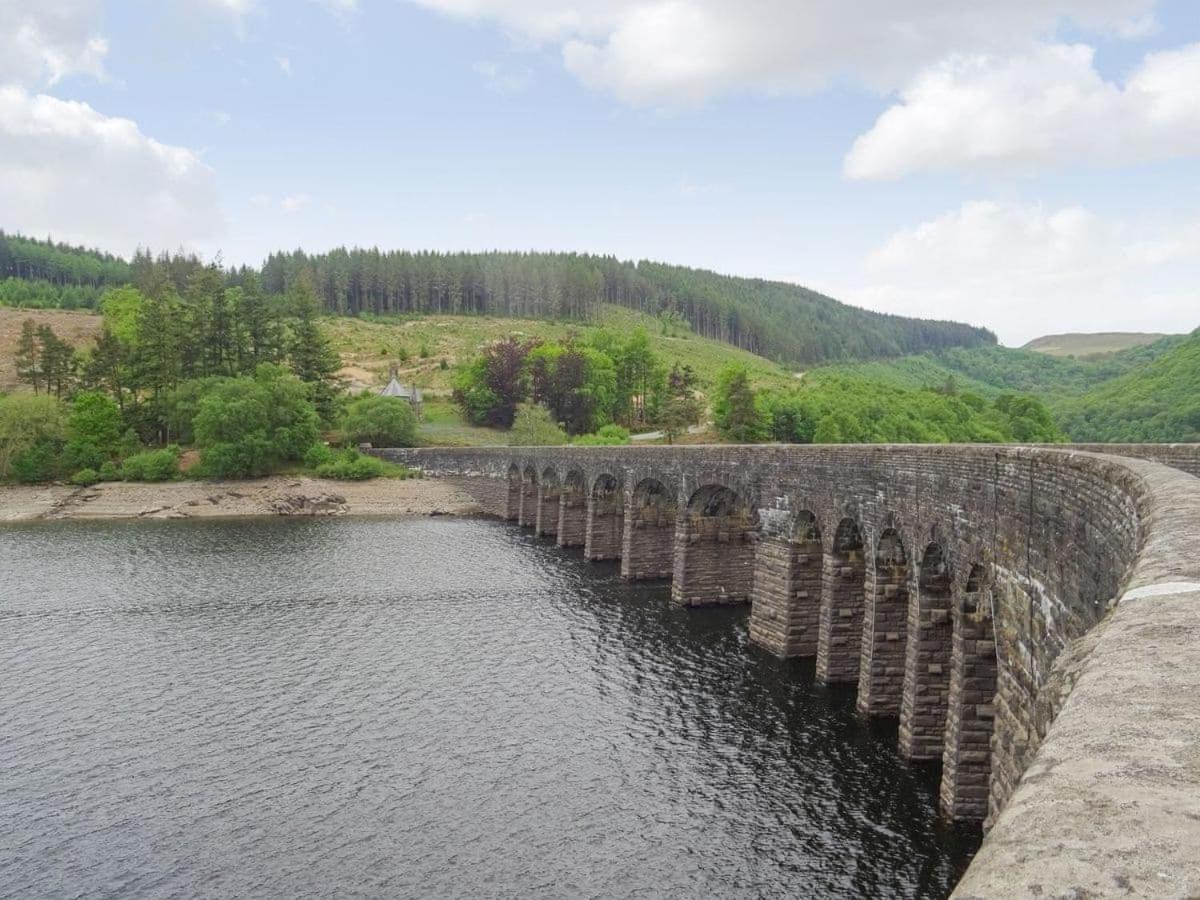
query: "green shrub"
109, 471
317, 455
151, 465
83, 455
380, 421
350, 465
95, 432
26, 421
85, 477
248, 426
608, 436
534, 426
38, 464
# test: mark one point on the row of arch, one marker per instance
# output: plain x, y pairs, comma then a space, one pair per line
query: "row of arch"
915, 650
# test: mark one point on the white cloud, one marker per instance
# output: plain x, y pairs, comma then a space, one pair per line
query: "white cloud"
70, 171
1025, 270
45, 41
503, 80
285, 65
294, 203
1048, 108
680, 52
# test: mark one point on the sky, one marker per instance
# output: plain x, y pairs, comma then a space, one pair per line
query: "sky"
1028, 165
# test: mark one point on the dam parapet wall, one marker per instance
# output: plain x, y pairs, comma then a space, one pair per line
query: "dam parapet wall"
960, 588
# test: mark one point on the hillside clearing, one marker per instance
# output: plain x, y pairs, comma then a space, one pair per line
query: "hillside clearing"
417, 346
75, 327
1082, 345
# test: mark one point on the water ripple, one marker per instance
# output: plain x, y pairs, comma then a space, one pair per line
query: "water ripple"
370, 708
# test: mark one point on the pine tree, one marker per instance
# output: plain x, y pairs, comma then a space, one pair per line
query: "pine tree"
29, 356
312, 358
213, 331
259, 333
157, 357
58, 362
735, 409
106, 367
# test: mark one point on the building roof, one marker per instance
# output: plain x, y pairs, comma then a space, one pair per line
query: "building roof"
396, 389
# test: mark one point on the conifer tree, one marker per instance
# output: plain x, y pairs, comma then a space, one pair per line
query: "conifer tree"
106, 367
312, 358
58, 362
29, 356
260, 336
157, 354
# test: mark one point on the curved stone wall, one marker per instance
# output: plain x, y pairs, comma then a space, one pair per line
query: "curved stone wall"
950, 581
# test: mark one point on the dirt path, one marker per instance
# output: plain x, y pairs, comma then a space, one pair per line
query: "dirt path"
277, 496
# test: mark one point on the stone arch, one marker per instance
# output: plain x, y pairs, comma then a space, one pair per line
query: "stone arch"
527, 512
927, 659
967, 757
605, 518
512, 505
885, 627
787, 589
647, 544
549, 491
714, 549
842, 584
572, 510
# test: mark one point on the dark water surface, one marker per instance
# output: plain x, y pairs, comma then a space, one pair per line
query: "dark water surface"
432, 707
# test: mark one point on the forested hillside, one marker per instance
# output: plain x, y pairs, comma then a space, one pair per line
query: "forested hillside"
59, 264
870, 377
1158, 401
783, 322
1145, 393
780, 321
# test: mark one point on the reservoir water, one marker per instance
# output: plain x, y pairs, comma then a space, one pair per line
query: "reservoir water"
424, 707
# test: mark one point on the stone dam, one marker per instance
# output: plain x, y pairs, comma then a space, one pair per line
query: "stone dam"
1028, 614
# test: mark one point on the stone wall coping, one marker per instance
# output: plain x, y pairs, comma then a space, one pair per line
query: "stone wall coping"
1110, 805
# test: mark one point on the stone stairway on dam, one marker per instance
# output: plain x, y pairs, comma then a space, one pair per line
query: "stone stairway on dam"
1029, 614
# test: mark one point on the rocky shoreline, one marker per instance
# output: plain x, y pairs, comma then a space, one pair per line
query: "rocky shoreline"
275, 496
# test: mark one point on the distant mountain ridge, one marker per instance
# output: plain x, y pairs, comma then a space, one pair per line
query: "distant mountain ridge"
783, 322
1090, 344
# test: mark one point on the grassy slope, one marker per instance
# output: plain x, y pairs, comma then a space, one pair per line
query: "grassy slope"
370, 346
76, 328
1083, 345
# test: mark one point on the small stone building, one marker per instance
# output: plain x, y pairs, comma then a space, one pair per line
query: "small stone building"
413, 394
